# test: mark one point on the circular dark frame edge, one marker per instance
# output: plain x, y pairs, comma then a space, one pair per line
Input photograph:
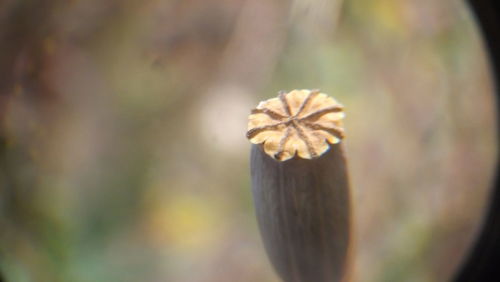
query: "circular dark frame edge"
482, 262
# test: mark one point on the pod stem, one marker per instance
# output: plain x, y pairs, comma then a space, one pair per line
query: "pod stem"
303, 211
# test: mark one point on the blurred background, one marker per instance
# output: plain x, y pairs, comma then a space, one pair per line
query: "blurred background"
122, 141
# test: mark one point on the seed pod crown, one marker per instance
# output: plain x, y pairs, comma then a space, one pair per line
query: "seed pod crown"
300, 122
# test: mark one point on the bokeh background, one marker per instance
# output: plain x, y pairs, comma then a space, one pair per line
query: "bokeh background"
123, 156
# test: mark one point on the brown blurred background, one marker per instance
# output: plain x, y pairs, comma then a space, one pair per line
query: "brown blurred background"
123, 156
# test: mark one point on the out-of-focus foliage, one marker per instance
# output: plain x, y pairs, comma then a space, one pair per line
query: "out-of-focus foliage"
123, 156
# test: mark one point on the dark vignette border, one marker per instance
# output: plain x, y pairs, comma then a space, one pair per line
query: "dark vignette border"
483, 261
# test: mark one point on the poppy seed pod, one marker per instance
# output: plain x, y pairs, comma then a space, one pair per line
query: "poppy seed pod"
300, 185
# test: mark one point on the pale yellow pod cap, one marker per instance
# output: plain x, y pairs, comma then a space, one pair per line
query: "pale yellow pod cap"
300, 122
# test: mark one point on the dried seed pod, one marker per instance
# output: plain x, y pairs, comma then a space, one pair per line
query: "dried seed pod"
300, 188
301, 122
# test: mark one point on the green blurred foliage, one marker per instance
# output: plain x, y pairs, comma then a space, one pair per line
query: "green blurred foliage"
123, 155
